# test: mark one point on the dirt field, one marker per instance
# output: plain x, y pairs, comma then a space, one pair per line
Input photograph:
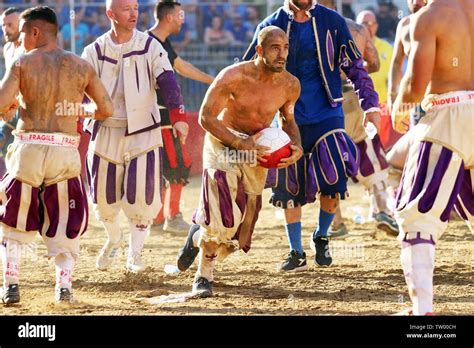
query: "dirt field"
366, 278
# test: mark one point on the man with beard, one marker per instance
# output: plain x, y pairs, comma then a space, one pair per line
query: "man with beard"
320, 45
232, 114
124, 155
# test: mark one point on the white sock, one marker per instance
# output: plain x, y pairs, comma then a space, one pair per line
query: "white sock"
11, 252
207, 262
113, 231
64, 269
380, 198
418, 265
196, 237
138, 233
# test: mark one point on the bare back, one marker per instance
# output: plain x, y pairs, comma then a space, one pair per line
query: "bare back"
253, 102
452, 24
52, 85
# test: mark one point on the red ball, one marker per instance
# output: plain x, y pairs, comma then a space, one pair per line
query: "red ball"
279, 143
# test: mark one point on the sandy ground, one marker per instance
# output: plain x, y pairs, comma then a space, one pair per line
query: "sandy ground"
365, 279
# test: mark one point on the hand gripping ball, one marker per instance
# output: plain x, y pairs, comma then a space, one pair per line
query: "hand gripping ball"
279, 143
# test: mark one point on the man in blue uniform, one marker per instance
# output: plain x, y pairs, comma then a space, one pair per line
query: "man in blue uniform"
320, 45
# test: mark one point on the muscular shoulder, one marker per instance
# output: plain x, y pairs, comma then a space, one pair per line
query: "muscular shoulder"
292, 85
291, 80
80, 62
233, 74
425, 21
404, 22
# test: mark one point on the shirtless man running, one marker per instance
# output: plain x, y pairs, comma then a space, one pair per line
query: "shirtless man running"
232, 114
440, 165
43, 190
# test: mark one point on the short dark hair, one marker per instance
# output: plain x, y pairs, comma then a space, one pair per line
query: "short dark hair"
42, 13
164, 7
11, 10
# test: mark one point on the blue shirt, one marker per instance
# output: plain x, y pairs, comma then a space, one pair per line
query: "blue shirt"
313, 105
82, 32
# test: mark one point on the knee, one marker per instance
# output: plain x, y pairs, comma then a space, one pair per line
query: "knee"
293, 215
329, 204
209, 250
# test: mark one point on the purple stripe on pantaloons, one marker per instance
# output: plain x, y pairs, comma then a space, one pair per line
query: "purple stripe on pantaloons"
33, 218
51, 202
95, 177
421, 170
431, 192
150, 177
132, 181
110, 183
76, 208
12, 205
454, 194
366, 167
326, 166
225, 199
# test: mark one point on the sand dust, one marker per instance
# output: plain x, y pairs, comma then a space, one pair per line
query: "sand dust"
365, 279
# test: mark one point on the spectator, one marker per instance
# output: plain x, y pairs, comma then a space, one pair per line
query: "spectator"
82, 33
347, 10
209, 12
191, 21
91, 16
253, 19
385, 51
231, 10
102, 26
216, 34
144, 20
181, 39
387, 23
239, 30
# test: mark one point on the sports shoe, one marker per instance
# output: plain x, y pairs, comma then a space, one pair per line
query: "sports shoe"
135, 264
323, 257
188, 253
176, 224
11, 294
294, 262
63, 295
107, 255
339, 232
386, 223
202, 287
156, 229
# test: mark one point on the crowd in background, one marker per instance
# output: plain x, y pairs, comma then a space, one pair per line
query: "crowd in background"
219, 24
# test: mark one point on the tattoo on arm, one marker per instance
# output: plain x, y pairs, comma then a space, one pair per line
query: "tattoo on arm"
10, 86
